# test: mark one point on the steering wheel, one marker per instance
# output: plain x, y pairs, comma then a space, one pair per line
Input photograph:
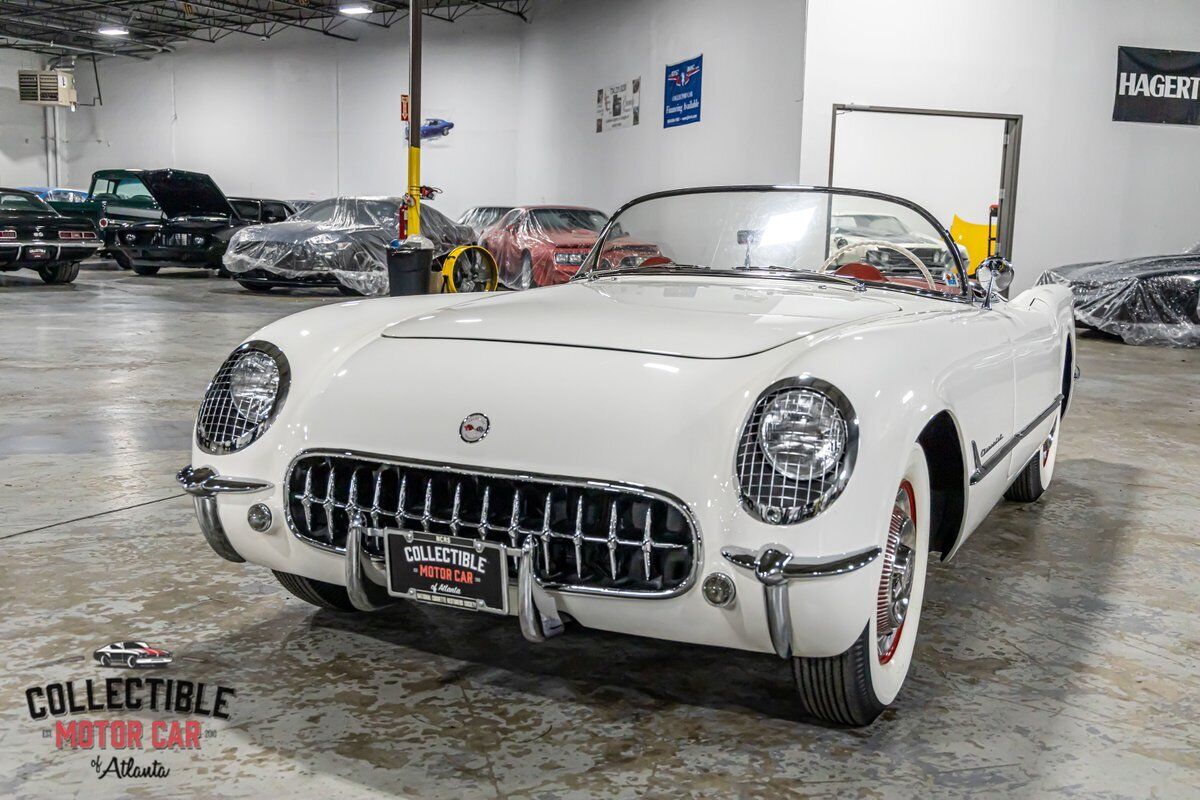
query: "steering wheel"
841, 251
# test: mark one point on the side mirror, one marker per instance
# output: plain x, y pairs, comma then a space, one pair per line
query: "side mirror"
994, 275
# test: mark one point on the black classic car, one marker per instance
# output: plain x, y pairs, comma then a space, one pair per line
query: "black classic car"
165, 218
1149, 300
256, 210
35, 236
342, 243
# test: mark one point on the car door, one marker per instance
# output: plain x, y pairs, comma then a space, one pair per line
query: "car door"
1037, 371
979, 382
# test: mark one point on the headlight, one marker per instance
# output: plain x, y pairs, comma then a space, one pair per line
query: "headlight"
253, 385
940, 258
802, 434
572, 259
796, 451
198, 239
243, 399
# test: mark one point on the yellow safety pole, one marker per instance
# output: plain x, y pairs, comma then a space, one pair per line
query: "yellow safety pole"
414, 117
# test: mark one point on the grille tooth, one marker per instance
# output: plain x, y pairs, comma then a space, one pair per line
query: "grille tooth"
590, 537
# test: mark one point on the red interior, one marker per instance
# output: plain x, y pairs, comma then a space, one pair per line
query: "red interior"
866, 272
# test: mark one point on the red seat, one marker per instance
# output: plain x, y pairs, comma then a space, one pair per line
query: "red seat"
864, 272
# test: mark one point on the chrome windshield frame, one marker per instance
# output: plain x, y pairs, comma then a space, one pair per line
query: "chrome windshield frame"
588, 269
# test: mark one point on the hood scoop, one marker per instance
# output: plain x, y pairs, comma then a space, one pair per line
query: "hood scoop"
677, 316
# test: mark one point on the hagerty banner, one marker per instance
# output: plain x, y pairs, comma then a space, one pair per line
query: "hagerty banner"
1157, 86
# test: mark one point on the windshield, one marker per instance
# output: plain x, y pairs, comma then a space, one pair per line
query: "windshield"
567, 219
22, 203
782, 231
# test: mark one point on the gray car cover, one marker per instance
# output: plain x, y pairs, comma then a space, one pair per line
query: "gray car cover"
347, 238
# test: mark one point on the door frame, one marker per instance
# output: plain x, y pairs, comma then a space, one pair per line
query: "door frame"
1009, 159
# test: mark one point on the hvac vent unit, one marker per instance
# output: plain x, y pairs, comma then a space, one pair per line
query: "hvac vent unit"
46, 87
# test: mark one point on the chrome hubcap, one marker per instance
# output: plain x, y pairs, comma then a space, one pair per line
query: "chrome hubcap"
1048, 445
896, 583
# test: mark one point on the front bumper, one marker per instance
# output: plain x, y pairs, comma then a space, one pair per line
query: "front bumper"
785, 603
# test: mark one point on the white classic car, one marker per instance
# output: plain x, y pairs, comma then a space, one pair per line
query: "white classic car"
737, 442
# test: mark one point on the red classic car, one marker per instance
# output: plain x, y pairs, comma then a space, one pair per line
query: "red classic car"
544, 245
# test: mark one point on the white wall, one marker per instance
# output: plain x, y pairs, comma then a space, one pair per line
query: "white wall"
22, 129
749, 130
1089, 188
305, 116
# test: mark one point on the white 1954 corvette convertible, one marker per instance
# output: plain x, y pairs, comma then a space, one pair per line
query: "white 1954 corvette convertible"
747, 441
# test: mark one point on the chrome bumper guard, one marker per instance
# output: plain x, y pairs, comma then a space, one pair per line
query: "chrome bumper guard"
366, 577
775, 567
204, 484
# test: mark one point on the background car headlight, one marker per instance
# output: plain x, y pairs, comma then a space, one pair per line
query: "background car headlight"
802, 434
253, 385
796, 451
243, 399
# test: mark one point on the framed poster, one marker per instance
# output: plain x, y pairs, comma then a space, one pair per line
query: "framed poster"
619, 106
681, 94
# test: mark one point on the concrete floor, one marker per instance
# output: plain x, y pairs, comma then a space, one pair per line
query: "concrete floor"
1057, 656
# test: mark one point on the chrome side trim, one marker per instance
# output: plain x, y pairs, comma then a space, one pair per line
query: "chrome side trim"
210, 526
774, 566
205, 482
982, 470
679, 505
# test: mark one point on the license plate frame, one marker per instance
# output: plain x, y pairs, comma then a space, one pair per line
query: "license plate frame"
486, 590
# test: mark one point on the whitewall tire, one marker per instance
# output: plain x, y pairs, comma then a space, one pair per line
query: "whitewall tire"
1035, 478
855, 687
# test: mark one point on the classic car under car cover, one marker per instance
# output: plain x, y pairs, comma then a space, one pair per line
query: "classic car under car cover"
545, 245
346, 237
1153, 300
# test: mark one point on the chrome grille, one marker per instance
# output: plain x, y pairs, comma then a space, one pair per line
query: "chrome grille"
220, 426
590, 536
774, 497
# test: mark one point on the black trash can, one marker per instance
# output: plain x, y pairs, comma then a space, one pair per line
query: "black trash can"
408, 270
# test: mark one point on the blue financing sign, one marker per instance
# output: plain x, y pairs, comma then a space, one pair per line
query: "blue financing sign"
681, 98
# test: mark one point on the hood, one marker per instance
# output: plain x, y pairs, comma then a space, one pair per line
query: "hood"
1146, 267
694, 318
186, 194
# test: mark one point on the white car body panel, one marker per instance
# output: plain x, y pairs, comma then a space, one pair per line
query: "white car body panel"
649, 380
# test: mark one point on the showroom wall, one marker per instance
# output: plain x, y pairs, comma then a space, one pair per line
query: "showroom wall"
1090, 188
22, 127
751, 102
305, 116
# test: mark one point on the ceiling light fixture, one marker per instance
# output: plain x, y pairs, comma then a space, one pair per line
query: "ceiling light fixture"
113, 30
356, 9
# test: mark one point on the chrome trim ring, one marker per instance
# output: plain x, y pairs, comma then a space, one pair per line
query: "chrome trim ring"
533, 477
896, 578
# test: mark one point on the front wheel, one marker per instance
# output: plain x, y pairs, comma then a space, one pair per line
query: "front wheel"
59, 273
855, 687
105, 661
140, 269
255, 286
1034, 479
323, 595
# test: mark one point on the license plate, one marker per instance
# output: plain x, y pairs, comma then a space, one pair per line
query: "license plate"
37, 252
447, 570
